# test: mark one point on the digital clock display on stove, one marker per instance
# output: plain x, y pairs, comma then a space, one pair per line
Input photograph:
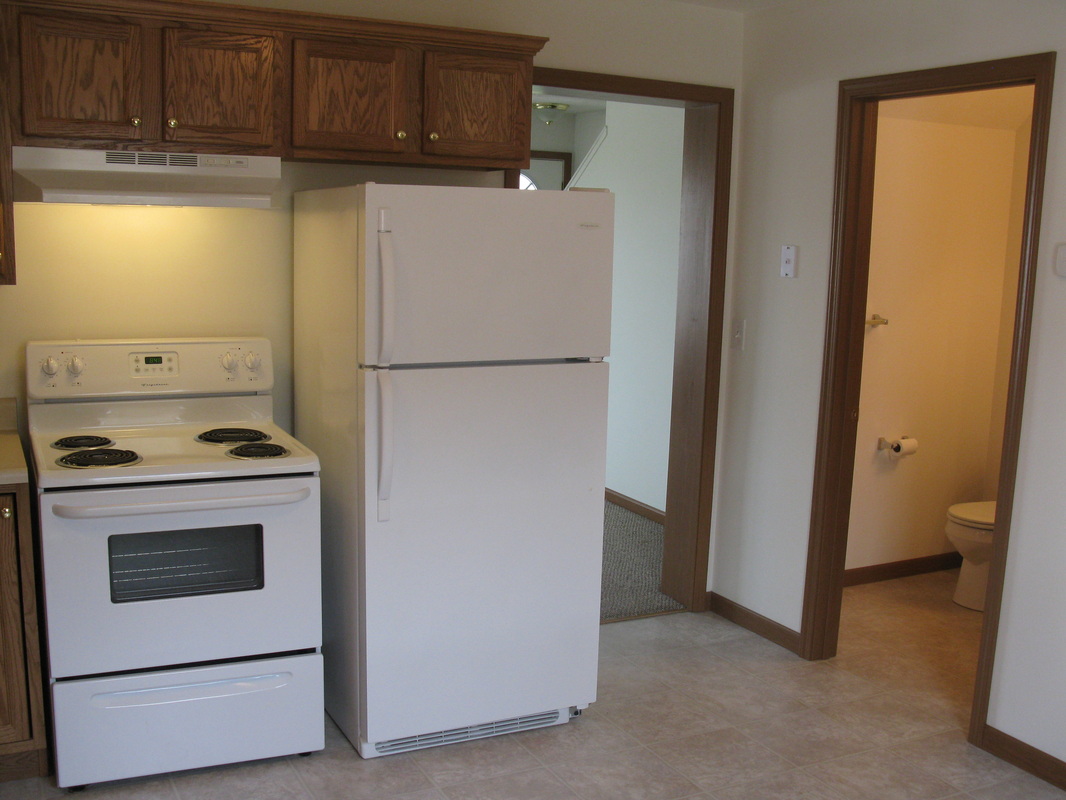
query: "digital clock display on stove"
153, 359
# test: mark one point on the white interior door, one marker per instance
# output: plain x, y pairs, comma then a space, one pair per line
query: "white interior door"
470, 275
482, 587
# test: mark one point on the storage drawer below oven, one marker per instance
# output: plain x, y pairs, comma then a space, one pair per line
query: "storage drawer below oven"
148, 723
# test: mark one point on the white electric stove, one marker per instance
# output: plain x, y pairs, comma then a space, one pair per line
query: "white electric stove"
180, 556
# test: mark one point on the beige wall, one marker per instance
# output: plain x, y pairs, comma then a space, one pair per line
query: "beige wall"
793, 63
941, 219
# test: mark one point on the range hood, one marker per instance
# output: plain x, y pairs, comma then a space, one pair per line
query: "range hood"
61, 175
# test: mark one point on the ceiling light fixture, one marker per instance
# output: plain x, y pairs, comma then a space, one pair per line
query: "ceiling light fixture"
549, 112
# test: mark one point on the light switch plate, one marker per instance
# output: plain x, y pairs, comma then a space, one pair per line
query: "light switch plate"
788, 261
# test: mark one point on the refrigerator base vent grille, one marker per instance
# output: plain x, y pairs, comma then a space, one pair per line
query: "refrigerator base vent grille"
497, 728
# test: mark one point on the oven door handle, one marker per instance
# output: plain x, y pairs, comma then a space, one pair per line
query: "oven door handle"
206, 504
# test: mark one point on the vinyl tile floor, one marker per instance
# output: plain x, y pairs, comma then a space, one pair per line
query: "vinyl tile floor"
691, 706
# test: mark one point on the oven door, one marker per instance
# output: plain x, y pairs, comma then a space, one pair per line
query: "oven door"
154, 576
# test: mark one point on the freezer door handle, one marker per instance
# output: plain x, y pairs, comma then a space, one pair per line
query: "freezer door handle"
171, 506
388, 296
385, 443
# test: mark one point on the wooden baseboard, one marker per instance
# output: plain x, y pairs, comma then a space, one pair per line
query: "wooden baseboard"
637, 507
901, 569
1025, 756
754, 622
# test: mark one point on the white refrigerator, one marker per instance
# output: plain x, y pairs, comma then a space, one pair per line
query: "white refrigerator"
449, 373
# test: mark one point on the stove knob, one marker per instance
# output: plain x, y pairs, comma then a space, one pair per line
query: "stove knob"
229, 362
253, 361
75, 365
50, 366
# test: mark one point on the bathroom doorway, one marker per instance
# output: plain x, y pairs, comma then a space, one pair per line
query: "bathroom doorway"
945, 239
846, 338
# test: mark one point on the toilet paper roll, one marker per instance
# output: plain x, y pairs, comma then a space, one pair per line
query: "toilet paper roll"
904, 447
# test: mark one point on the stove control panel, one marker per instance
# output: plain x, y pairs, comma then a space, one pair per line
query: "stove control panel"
86, 368
153, 363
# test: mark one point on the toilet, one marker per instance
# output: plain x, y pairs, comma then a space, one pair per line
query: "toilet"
969, 527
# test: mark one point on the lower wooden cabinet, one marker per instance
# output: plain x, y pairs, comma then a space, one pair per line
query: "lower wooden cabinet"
23, 747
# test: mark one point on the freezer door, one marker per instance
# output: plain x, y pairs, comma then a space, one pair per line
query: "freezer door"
481, 547
471, 275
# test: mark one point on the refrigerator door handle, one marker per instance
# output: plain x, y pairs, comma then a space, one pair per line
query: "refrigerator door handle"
388, 296
385, 443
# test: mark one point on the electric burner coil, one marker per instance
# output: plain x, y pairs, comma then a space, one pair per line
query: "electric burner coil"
82, 442
232, 436
101, 457
257, 450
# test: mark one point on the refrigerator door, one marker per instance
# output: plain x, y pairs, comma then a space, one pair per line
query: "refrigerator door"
458, 275
481, 564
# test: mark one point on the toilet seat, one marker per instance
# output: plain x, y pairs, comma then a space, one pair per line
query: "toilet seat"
981, 515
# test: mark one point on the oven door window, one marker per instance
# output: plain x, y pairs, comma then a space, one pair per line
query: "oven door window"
147, 566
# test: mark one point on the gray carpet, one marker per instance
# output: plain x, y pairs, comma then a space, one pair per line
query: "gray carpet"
632, 566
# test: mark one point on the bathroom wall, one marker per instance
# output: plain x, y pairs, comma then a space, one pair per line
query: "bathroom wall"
940, 240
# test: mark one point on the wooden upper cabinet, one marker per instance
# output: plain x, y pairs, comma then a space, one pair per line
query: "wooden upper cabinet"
354, 96
205, 78
219, 87
81, 77
476, 106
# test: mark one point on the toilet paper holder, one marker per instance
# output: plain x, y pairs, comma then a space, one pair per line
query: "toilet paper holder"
889, 444
876, 320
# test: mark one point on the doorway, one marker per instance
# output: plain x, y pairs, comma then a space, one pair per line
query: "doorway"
846, 329
706, 155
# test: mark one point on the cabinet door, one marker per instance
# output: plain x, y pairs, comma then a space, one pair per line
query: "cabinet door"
476, 106
351, 96
218, 87
81, 78
14, 710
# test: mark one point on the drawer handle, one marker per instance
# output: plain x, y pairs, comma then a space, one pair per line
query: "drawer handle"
5, 513
172, 123
401, 134
135, 122
434, 136
190, 691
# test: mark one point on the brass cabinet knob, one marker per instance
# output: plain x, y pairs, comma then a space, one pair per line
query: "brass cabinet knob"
135, 122
172, 123
434, 136
5, 513
401, 134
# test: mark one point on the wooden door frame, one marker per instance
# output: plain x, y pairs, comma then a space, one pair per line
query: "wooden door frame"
842, 365
706, 162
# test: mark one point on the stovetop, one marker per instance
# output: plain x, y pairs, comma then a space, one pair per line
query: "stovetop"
168, 447
139, 436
